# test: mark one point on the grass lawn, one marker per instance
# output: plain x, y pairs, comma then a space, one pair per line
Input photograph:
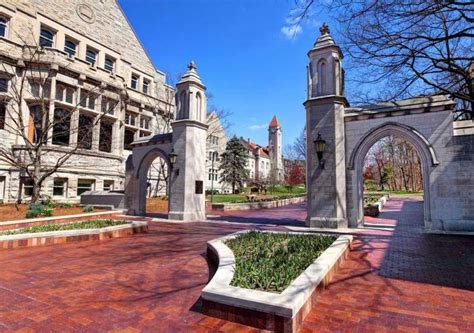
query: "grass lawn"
90, 224
394, 192
271, 192
270, 262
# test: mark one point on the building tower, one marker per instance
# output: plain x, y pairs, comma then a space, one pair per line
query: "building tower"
276, 150
326, 178
187, 198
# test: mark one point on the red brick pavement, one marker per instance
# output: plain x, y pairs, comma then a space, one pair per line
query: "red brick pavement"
401, 280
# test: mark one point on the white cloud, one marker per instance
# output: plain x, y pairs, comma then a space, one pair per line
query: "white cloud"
257, 127
290, 31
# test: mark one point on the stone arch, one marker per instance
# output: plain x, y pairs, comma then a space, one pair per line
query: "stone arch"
141, 174
356, 163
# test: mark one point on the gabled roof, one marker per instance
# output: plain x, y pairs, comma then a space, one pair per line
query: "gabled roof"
274, 123
254, 148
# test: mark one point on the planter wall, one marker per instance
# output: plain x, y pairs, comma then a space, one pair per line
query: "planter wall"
282, 312
375, 209
67, 236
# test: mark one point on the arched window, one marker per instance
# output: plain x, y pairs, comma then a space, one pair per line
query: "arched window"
322, 78
182, 106
198, 107
46, 38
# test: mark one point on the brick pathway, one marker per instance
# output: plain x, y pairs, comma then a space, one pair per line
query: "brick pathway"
394, 280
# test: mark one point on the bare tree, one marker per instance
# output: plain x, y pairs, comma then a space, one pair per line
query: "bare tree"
35, 122
300, 145
407, 47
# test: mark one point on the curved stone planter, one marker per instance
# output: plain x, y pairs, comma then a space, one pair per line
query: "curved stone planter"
66, 236
257, 204
282, 312
375, 209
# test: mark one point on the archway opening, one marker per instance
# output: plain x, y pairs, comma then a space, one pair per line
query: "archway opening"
393, 184
157, 187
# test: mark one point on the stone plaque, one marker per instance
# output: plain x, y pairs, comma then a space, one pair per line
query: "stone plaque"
199, 187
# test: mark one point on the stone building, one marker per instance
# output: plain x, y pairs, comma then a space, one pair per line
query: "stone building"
99, 75
264, 163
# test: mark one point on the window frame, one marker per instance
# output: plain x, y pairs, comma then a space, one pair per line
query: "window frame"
134, 81
83, 189
68, 49
96, 54
3, 114
45, 38
5, 24
63, 188
146, 86
110, 186
113, 61
6, 85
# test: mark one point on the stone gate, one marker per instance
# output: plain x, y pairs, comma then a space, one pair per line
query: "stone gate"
335, 182
184, 150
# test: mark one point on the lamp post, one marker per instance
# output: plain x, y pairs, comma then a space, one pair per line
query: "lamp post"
212, 176
172, 157
320, 146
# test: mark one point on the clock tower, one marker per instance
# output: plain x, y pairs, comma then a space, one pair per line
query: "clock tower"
276, 150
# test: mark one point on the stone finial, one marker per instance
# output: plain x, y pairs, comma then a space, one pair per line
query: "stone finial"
192, 65
324, 29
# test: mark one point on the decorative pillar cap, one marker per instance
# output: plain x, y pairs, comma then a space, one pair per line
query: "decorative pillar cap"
191, 75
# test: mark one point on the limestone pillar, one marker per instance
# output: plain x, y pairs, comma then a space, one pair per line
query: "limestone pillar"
187, 190
326, 178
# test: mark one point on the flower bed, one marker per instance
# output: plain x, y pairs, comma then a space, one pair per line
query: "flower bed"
280, 312
69, 232
271, 261
373, 203
89, 224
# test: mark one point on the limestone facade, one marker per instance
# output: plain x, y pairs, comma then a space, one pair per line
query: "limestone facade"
91, 50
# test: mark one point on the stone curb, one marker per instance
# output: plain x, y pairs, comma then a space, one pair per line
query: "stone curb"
257, 205
284, 305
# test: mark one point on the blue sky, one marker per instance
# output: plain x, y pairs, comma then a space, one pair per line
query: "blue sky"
243, 51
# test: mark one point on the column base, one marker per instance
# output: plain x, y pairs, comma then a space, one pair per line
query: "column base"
326, 222
187, 216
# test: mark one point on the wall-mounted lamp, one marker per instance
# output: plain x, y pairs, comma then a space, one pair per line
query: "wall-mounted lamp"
173, 156
320, 146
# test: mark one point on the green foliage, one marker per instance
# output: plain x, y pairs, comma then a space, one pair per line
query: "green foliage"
233, 163
242, 198
66, 205
38, 209
88, 209
90, 224
270, 261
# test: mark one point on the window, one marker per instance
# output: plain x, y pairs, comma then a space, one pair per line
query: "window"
3, 114
3, 26
84, 185
59, 187
146, 86
3, 84
84, 131
134, 82
91, 57
27, 185
40, 89
130, 118
88, 99
65, 93
108, 105
35, 124
143, 133
108, 185
105, 139
46, 38
128, 138
70, 47
109, 64
61, 127
145, 122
